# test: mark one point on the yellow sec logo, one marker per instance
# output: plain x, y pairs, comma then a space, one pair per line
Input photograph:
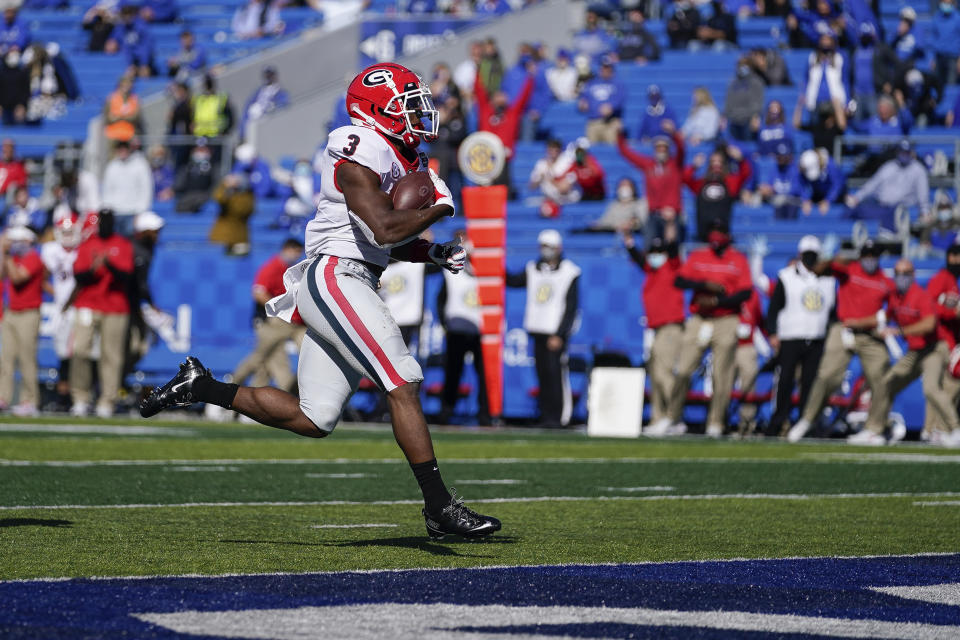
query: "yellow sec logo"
812, 300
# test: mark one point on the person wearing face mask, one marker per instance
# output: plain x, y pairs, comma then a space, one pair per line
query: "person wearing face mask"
23, 271
663, 304
552, 284
825, 79
774, 130
14, 89
718, 188
797, 319
627, 212
718, 32
912, 310
663, 177
161, 172
195, 180
945, 293
602, 100
821, 181
269, 360
901, 181
719, 277
655, 114
102, 269
943, 38
780, 185
744, 102
862, 293
127, 186
501, 117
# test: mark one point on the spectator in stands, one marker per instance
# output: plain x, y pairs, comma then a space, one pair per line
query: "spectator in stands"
14, 32
719, 277
825, 124
143, 311
51, 82
663, 305
944, 35
442, 85
939, 229
825, 77
180, 123
663, 177
889, 122
744, 102
269, 359
103, 268
549, 320
587, 172
593, 40
718, 32
821, 181
770, 66
718, 189
161, 172
25, 211
491, 67
237, 202
627, 212
781, 186
906, 40
127, 187
548, 174
121, 113
194, 180
188, 59
99, 20
703, 121
496, 114
257, 19
863, 291
797, 319
299, 197
873, 70
683, 24
920, 93
12, 171
912, 310
540, 95
945, 293
466, 72
269, 97
807, 27
901, 182
24, 274
159, 10
563, 78
637, 44
420, 7
602, 101
14, 89
656, 112
212, 115
491, 7
450, 133
255, 168
774, 131
131, 37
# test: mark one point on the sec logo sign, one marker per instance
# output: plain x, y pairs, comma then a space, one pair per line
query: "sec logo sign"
482, 157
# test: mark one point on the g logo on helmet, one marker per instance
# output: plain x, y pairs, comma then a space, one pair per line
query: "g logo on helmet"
377, 77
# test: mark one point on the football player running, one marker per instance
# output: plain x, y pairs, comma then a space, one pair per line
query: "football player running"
350, 332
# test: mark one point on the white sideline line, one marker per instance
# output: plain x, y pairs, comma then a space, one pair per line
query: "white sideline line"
332, 503
126, 430
371, 525
338, 476
938, 503
500, 481
630, 489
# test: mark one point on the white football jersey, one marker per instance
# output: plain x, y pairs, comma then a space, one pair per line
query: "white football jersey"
59, 262
335, 230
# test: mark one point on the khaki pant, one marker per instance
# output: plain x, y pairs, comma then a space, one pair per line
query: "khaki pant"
874, 360
723, 341
18, 334
601, 130
663, 359
932, 420
112, 329
931, 364
747, 371
269, 360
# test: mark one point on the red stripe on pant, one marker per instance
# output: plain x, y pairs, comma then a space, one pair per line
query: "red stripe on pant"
331, 281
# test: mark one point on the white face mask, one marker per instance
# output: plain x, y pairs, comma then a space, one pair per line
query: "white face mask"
656, 260
624, 193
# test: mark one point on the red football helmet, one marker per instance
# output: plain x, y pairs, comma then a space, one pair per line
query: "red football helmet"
395, 101
66, 230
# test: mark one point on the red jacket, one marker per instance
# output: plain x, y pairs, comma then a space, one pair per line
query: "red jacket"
12, 174
910, 308
662, 300
105, 293
506, 125
590, 178
730, 270
29, 295
662, 182
948, 326
860, 294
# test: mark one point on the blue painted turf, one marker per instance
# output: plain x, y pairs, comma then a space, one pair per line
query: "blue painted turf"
823, 587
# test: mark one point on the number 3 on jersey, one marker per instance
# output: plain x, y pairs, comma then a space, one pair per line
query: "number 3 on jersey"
351, 148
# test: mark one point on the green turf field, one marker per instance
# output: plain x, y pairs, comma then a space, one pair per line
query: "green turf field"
151, 498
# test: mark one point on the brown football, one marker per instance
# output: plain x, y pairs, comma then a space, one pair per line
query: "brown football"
414, 191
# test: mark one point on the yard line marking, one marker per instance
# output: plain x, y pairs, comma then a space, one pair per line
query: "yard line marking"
938, 503
203, 468
502, 481
330, 503
948, 594
341, 475
372, 525
628, 489
887, 457
125, 430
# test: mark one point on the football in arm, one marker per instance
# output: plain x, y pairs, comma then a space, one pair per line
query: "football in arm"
414, 191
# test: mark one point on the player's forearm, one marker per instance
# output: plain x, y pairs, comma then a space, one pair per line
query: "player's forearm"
398, 225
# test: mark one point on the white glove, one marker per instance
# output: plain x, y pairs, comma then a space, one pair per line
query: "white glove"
759, 246
443, 192
449, 255
830, 245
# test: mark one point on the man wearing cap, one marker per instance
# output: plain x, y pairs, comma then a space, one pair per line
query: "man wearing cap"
268, 97
601, 99
656, 113
912, 310
663, 177
24, 274
861, 296
899, 182
551, 310
562, 78
945, 293
905, 41
780, 184
102, 269
797, 320
637, 44
127, 186
821, 181
664, 307
146, 231
719, 277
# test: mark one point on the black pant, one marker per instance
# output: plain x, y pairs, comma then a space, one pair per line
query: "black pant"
551, 371
458, 345
807, 354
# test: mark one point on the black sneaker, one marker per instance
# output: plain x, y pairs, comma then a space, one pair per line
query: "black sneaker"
457, 519
176, 393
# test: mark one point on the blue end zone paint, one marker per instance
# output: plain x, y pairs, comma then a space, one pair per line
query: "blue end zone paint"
822, 587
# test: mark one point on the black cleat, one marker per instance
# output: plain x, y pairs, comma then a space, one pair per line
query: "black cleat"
176, 393
459, 520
